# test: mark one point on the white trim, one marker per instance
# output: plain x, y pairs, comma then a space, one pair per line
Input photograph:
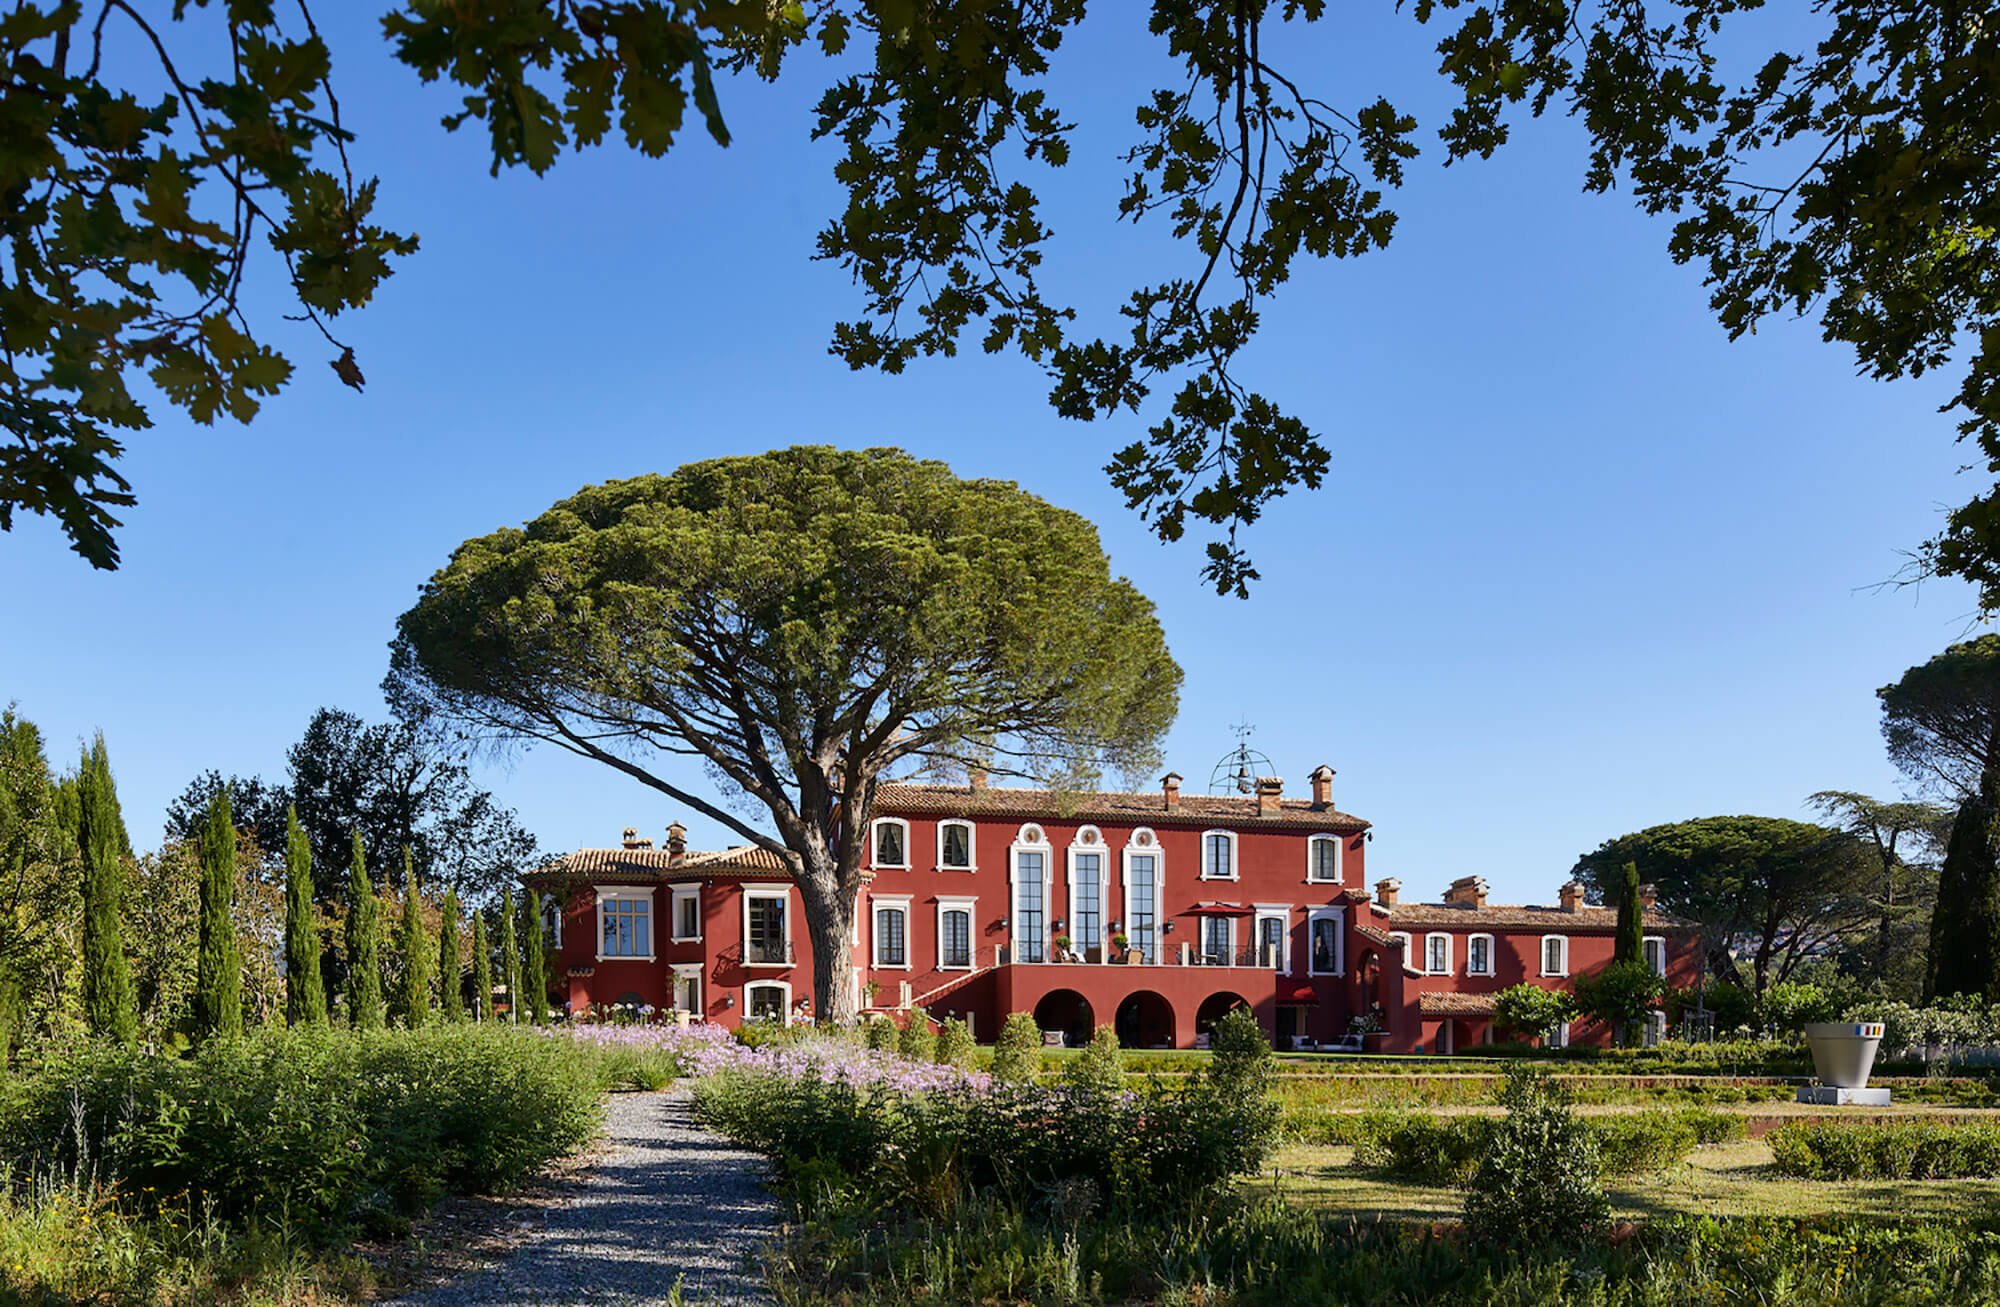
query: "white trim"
628, 894
1661, 940
1409, 945
1282, 914
1144, 843
1031, 838
1491, 967
878, 904
767, 891
875, 843
1339, 859
687, 971
1543, 956
1559, 1038
782, 986
1338, 916
1430, 969
1201, 938
971, 844
969, 905
1103, 853
675, 893
1235, 868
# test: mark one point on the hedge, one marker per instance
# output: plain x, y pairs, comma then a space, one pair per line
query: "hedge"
1886, 1150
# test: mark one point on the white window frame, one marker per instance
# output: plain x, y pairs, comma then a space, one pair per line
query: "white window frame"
1431, 940
875, 844
1312, 860
1646, 942
1201, 937
1409, 945
970, 907
971, 845
635, 893
784, 987
1281, 913
687, 971
1024, 844
880, 903
1543, 958
1339, 917
1103, 852
1559, 1038
1492, 963
553, 913
1142, 842
675, 895
1235, 868
767, 891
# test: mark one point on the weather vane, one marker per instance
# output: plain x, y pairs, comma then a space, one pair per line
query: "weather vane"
1240, 768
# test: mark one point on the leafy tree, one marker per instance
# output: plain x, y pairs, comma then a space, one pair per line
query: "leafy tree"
482, 971
218, 986
1965, 927
804, 622
510, 957
1539, 1173
108, 1000
1904, 836
305, 994
364, 967
451, 969
534, 967
1531, 1011
1630, 943
1941, 719
39, 905
262, 810
412, 1004
1780, 891
1621, 995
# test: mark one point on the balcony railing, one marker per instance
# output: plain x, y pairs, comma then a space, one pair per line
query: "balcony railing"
768, 953
1264, 957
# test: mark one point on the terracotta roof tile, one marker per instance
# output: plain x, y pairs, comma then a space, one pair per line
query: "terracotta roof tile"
898, 799
658, 864
1372, 933
1455, 1005
1556, 920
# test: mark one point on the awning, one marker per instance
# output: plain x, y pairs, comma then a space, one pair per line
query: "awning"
1207, 909
1303, 996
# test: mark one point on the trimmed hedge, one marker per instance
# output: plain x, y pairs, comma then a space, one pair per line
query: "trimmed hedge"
1447, 1149
1886, 1150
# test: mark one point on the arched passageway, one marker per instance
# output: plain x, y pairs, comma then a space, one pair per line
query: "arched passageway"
1145, 1020
1214, 1008
1068, 1012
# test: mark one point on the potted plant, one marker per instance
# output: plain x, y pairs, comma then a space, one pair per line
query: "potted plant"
1061, 943
871, 988
1123, 943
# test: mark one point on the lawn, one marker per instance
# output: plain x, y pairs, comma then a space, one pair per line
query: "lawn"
1732, 1179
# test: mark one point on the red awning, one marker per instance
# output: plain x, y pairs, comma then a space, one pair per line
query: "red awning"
1206, 909
1303, 995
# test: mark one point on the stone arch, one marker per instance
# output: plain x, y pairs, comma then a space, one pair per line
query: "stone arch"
1068, 1012
1215, 1007
1145, 1020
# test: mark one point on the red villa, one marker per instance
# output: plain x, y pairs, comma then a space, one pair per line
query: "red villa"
1155, 912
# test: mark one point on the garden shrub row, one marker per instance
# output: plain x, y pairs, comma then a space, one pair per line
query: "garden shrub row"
1886, 1150
1447, 1149
311, 1128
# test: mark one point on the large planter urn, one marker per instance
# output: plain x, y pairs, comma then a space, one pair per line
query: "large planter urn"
1843, 1055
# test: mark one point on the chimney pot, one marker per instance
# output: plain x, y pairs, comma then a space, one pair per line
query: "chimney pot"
976, 777
1386, 891
1270, 795
1170, 788
1322, 786
630, 839
1648, 895
1572, 896
677, 841
1467, 892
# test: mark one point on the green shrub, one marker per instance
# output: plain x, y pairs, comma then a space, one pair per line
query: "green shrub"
955, 1044
1017, 1054
879, 1033
1886, 1150
916, 1041
1099, 1068
1531, 1011
1538, 1176
1436, 1149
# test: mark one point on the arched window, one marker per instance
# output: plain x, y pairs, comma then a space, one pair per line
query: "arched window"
1555, 955
1145, 872
1029, 872
892, 842
955, 845
1089, 892
1437, 953
1479, 955
1218, 855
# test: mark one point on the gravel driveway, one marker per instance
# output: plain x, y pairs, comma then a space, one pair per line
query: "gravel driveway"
669, 1202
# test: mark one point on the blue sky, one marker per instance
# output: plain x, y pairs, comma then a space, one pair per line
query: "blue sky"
1581, 565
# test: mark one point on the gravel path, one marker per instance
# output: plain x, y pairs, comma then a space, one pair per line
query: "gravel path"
669, 1202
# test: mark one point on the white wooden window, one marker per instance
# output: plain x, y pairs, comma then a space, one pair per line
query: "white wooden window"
892, 842
687, 913
1218, 855
767, 926
1655, 953
955, 934
1479, 955
1089, 892
1028, 870
1143, 871
892, 932
1555, 955
1326, 942
1437, 953
624, 922
687, 987
768, 1000
1272, 937
955, 845
1323, 859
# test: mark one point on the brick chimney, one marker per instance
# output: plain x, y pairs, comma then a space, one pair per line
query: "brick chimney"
975, 776
632, 840
1386, 890
1270, 795
1467, 892
1648, 896
1170, 789
677, 841
1572, 896
1322, 783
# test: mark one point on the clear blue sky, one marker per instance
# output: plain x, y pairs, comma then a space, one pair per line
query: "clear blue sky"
1582, 565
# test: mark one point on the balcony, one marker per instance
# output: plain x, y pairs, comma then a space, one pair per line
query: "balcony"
1184, 953
768, 953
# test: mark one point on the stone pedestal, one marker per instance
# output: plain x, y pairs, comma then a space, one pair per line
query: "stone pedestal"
1836, 1096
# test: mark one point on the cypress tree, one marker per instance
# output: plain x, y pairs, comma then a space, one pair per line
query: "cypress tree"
413, 990
534, 973
109, 1005
482, 971
305, 992
1629, 945
510, 957
1965, 926
218, 984
451, 976
364, 966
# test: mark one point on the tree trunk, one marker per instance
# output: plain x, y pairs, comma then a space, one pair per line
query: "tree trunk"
1885, 929
829, 912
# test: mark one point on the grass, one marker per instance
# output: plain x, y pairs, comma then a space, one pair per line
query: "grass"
1736, 1179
